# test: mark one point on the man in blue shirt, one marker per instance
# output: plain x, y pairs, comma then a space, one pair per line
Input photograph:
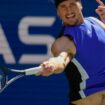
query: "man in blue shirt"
83, 43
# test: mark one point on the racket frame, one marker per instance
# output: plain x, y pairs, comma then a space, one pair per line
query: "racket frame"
22, 73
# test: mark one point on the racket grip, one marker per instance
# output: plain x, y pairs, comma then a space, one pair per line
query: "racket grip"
33, 71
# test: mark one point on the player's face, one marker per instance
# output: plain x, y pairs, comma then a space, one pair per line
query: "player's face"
70, 12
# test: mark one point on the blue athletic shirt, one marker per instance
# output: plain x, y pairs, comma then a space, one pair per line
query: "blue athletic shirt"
89, 39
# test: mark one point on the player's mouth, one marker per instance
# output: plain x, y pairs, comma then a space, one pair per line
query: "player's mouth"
70, 16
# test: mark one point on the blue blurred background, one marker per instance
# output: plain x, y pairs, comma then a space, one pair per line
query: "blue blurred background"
27, 30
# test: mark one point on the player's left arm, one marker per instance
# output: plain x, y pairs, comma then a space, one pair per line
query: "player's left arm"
101, 10
101, 13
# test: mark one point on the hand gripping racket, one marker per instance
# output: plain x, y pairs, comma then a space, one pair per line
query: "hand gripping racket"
6, 72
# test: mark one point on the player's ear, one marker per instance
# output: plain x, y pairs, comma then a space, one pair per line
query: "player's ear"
80, 5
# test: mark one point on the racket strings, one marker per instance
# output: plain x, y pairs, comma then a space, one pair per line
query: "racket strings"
2, 78
9, 82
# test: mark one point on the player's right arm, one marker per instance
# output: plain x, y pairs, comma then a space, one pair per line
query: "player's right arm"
63, 50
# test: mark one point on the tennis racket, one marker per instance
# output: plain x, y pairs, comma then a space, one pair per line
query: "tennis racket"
5, 74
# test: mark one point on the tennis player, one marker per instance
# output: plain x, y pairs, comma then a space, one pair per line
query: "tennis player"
83, 43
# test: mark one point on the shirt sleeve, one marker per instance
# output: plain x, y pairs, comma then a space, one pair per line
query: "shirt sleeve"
71, 32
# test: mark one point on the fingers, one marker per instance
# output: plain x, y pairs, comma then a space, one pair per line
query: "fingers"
101, 8
48, 69
101, 12
48, 65
100, 2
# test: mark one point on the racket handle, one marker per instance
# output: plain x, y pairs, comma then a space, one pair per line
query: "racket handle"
33, 71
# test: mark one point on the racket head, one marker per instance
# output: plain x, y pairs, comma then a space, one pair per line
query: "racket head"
3, 78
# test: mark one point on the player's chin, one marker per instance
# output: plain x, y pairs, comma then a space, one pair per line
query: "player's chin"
70, 23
